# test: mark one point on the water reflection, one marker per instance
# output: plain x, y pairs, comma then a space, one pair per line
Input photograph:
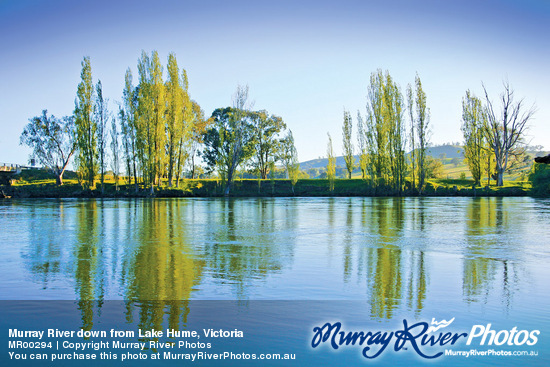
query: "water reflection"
243, 242
486, 267
387, 251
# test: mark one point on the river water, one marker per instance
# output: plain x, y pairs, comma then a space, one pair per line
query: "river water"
478, 260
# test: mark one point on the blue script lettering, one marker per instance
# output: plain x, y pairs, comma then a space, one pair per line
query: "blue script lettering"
409, 335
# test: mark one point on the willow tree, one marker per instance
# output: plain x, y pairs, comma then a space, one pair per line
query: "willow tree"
505, 129
347, 128
331, 165
86, 138
473, 129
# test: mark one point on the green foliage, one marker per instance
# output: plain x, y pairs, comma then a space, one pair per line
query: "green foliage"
267, 145
539, 177
434, 167
363, 147
101, 112
220, 139
331, 166
86, 126
348, 145
384, 132
52, 141
474, 125
422, 130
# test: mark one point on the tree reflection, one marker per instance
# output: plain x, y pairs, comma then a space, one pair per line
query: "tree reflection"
163, 269
243, 243
393, 274
489, 221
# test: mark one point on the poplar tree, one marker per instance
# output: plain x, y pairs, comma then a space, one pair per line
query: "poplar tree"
86, 126
151, 136
362, 143
129, 125
101, 117
174, 115
393, 118
115, 162
288, 153
473, 128
189, 117
347, 128
422, 130
331, 166
412, 140
377, 130
158, 117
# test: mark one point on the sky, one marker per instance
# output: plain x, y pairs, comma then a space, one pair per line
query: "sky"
305, 61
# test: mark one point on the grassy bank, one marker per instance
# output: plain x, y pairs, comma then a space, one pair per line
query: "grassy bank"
40, 187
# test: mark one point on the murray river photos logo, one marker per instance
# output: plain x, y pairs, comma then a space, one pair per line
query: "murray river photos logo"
425, 339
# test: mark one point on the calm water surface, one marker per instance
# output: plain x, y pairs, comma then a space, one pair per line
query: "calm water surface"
484, 258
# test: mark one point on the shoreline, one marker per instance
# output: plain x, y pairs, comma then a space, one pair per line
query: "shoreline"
249, 188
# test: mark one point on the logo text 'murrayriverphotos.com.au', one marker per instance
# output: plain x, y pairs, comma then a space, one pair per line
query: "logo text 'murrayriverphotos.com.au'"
421, 337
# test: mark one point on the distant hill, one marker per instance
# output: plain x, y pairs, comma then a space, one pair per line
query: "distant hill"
449, 151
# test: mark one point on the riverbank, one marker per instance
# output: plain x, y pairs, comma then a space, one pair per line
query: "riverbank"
257, 188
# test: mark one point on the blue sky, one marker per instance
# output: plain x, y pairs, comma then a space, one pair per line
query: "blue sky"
303, 60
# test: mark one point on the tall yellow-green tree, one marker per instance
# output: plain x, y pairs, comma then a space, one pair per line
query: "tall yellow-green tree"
128, 114
362, 144
189, 115
151, 126
101, 117
412, 135
174, 114
393, 118
158, 112
422, 131
377, 130
473, 129
347, 131
331, 166
86, 126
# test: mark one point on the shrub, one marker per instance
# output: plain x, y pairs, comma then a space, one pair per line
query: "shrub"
540, 179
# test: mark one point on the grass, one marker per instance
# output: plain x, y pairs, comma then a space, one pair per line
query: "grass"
40, 183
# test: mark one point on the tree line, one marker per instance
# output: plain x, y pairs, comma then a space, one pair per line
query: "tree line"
158, 130
493, 135
384, 135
